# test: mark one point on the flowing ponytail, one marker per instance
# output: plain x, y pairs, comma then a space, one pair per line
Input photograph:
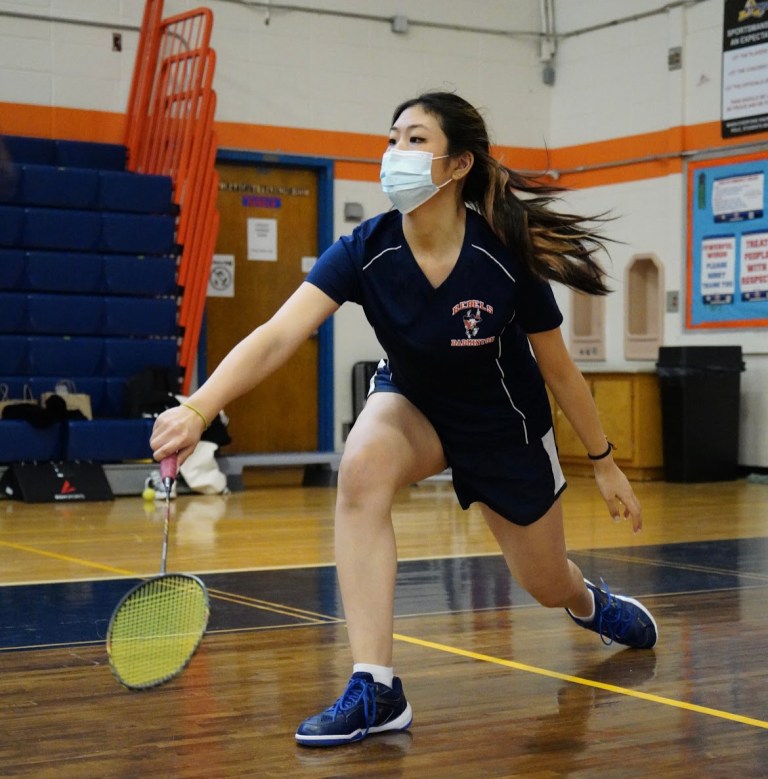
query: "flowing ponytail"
555, 246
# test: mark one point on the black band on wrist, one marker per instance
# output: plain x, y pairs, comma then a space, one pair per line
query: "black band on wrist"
605, 454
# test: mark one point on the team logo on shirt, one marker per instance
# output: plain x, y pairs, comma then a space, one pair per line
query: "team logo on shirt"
472, 319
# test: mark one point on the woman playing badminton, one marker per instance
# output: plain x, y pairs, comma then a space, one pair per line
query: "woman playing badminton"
455, 282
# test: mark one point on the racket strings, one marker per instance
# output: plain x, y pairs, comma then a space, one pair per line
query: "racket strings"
157, 629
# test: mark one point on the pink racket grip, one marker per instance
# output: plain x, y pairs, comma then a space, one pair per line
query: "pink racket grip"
168, 468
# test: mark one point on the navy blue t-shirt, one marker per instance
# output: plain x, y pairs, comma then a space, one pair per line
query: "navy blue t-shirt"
459, 352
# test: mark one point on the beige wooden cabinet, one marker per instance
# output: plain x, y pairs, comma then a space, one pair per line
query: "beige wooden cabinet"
630, 410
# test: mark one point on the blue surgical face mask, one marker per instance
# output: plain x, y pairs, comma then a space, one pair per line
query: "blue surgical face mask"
406, 178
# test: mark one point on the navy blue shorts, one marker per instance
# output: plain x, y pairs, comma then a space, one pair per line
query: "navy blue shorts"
519, 482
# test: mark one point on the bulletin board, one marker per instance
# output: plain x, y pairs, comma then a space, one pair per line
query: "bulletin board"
727, 256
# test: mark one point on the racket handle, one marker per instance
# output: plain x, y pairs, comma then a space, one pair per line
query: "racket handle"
168, 469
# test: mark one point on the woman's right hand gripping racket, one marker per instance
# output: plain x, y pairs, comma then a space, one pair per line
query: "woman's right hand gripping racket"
159, 624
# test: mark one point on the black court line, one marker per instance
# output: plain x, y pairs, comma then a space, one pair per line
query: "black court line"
55, 614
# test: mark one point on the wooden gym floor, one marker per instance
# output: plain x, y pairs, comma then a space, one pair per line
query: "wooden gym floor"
500, 686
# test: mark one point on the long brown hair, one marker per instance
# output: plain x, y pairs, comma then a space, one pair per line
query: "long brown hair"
555, 246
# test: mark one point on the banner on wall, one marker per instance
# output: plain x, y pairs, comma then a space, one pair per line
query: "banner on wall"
745, 68
727, 263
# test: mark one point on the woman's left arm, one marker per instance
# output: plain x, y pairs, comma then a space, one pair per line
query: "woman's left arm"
572, 394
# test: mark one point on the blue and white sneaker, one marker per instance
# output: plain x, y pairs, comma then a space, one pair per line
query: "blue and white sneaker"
620, 619
366, 707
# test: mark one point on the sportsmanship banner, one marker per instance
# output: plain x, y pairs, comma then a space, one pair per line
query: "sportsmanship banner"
745, 68
727, 263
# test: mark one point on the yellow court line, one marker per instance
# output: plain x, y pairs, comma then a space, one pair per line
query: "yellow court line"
68, 559
218, 594
585, 682
656, 563
263, 605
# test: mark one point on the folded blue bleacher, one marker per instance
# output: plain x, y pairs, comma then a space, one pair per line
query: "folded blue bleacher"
14, 350
9, 182
114, 397
35, 151
20, 442
94, 387
45, 185
109, 440
88, 292
63, 153
87, 188
13, 312
139, 316
11, 225
107, 394
124, 191
53, 228
128, 356
58, 271
65, 314
14, 385
126, 274
86, 272
12, 269
87, 154
61, 356
137, 233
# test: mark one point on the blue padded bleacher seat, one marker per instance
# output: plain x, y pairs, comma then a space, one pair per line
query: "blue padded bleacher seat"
9, 183
137, 193
61, 356
87, 154
94, 386
13, 312
15, 386
20, 442
110, 440
36, 151
44, 185
11, 225
126, 274
107, 395
65, 314
12, 267
51, 271
137, 233
127, 356
139, 316
51, 228
114, 397
13, 355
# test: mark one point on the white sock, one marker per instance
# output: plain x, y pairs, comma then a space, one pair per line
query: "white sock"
380, 673
592, 615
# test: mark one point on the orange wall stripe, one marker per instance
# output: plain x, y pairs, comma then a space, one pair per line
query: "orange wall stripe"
75, 124
87, 125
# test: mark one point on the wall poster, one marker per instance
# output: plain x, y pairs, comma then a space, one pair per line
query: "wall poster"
745, 68
727, 262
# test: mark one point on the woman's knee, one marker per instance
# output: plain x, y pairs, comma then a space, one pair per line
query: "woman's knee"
365, 468
556, 591
391, 445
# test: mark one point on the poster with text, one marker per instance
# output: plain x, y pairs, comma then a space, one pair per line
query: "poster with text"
727, 262
745, 68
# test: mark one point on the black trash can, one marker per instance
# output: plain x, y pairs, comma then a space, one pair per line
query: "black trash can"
700, 389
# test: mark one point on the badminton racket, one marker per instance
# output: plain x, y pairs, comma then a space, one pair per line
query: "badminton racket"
158, 626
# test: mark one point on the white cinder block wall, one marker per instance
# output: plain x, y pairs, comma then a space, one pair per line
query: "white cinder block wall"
342, 72
614, 83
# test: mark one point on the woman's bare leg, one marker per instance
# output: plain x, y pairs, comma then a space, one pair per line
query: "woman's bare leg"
390, 446
536, 556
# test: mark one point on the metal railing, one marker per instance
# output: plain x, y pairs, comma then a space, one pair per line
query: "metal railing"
169, 131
